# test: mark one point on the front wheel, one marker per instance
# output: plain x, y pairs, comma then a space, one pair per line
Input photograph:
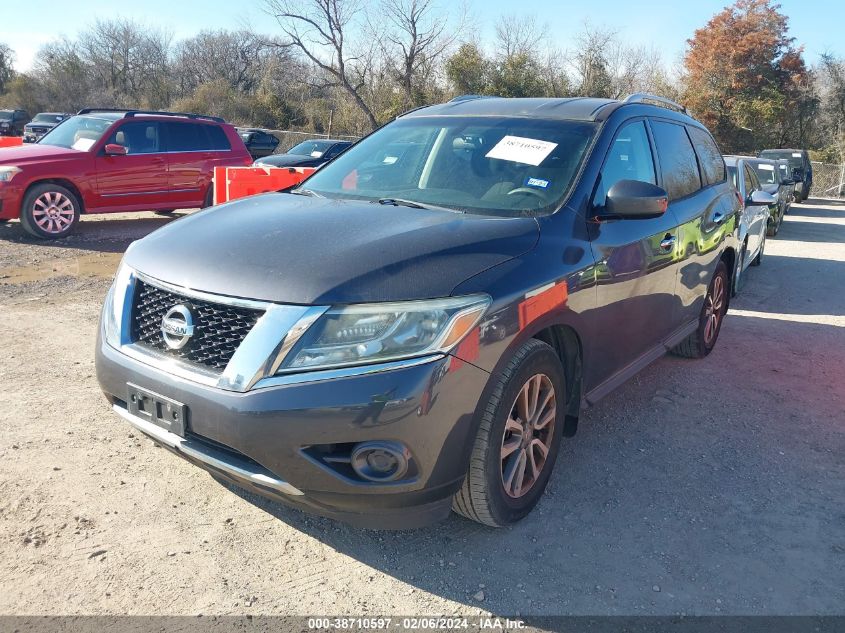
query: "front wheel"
518, 439
701, 342
759, 258
50, 211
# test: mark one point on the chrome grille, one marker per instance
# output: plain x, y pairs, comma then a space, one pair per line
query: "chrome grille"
218, 328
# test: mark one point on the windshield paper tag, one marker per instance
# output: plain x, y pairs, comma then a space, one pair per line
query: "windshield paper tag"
537, 182
83, 144
796, 154
522, 150
766, 167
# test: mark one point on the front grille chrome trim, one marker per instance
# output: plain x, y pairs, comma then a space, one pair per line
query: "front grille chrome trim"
227, 463
259, 354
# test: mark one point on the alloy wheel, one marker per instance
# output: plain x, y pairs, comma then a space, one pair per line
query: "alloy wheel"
713, 310
53, 212
528, 435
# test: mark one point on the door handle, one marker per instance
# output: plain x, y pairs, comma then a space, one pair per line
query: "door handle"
668, 242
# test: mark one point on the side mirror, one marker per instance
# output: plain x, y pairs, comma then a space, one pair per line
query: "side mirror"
113, 149
762, 197
797, 175
636, 199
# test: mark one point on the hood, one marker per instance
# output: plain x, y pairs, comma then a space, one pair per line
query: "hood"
290, 160
47, 124
36, 152
294, 249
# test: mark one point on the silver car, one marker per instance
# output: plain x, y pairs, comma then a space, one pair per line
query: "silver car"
755, 214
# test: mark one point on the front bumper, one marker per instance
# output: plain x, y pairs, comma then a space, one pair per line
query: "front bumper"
10, 200
260, 439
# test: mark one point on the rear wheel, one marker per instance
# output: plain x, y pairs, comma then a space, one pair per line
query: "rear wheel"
701, 342
50, 211
209, 198
518, 439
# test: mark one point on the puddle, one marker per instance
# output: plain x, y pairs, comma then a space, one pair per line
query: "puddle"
94, 265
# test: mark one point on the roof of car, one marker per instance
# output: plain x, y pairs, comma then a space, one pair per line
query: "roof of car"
575, 108
571, 108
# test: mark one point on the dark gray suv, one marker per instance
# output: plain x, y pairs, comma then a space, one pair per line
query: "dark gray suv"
417, 326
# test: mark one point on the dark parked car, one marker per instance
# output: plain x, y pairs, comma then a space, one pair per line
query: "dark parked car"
259, 143
42, 123
12, 122
103, 161
383, 350
307, 154
802, 168
772, 182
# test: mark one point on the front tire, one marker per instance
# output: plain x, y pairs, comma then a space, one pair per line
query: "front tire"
50, 211
759, 258
518, 439
701, 342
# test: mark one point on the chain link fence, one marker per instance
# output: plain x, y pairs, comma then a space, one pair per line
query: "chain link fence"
828, 181
289, 138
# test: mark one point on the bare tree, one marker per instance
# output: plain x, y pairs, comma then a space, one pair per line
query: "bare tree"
127, 58
325, 32
416, 38
519, 35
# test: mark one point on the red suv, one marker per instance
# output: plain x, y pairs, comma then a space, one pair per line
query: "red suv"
103, 161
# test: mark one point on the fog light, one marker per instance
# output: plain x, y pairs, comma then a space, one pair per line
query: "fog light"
379, 461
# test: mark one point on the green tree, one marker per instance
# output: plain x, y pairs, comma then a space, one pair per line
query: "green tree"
468, 70
7, 70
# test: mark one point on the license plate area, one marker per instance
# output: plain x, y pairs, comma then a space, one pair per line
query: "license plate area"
157, 409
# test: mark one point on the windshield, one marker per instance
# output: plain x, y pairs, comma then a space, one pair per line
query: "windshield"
315, 149
5, 115
78, 132
509, 166
766, 173
45, 117
795, 159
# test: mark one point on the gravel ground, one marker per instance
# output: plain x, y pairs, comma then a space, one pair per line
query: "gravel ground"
700, 487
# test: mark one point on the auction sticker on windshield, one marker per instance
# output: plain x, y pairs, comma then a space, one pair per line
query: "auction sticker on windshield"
518, 149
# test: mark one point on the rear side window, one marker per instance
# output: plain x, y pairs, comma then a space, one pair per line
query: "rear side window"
186, 137
677, 159
217, 137
629, 158
709, 156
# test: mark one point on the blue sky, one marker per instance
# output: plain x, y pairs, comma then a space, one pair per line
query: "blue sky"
663, 24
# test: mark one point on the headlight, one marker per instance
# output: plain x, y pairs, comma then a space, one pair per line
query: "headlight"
115, 316
7, 172
379, 332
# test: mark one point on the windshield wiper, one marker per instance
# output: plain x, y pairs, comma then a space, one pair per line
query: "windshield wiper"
305, 192
401, 202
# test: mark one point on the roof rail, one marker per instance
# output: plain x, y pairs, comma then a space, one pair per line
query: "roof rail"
644, 97
460, 98
129, 113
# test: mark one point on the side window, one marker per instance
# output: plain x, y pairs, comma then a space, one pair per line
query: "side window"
712, 163
186, 137
629, 158
138, 137
749, 181
677, 159
217, 137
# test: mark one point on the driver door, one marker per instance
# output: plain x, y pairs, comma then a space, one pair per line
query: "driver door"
138, 180
636, 262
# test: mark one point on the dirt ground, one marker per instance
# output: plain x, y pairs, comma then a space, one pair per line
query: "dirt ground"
700, 487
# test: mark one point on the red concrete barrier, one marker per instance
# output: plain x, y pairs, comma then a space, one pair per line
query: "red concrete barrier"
11, 141
231, 183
